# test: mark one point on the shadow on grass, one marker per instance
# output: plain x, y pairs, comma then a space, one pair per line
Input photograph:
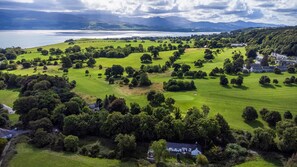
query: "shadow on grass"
279, 86
255, 124
291, 85
241, 87
268, 86
226, 86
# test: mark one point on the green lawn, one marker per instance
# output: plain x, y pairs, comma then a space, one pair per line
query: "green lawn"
7, 97
260, 162
33, 157
228, 101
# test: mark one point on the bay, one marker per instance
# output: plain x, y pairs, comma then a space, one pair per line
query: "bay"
34, 38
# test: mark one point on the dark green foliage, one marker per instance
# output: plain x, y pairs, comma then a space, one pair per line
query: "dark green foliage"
223, 80
263, 139
249, 114
235, 151
44, 123
91, 62
146, 58
126, 144
155, 98
264, 80
175, 85
71, 143
41, 138
144, 80
272, 118
135, 108
66, 62
251, 53
208, 54
288, 115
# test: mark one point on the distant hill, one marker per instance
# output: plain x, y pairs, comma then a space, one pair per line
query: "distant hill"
30, 20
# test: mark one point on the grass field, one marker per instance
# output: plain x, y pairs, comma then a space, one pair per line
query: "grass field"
228, 101
260, 162
8, 97
33, 157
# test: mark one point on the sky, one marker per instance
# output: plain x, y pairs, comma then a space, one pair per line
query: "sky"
263, 11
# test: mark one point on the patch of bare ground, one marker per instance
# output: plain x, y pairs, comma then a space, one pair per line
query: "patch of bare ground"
89, 99
125, 90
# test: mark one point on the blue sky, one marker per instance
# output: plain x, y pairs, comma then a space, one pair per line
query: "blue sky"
265, 11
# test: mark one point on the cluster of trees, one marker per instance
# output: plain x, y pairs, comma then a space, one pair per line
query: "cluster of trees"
11, 53
291, 80
154, 68
208, 54
265, 80
214, 72
234, 66
177, 85
199, 63
280, 40
119, 52
265, 139
237, 81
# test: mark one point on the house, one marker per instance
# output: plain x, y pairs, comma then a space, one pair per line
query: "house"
287, 62
256, 68
178, 148
238, 44
268, 68
96, 106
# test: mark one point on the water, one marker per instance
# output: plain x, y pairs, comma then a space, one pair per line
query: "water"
34, 38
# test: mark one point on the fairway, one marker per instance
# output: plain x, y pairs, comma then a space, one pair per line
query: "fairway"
8, 97
33, 157
228, 101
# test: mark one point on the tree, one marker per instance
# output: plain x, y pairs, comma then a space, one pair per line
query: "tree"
44, 52
144, 80
249, 114
126, 144
41, 138
264, 80
201, 160
235, 151
146, 58
288, 142
275, 81
130, 71
233, 81
288, 115
87, 72
263, 139
251, 53
117, 70
277, 71
169, 101
272, 118
66, 62
159, 149
239, 81
224, 80
91, 62
71, 143
135, 108
291, 70
155, 53
43, 123
185, 68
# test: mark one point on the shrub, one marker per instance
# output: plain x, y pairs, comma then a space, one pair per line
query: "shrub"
249, 114
71, 143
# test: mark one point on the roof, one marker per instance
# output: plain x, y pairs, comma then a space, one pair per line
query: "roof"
193, 149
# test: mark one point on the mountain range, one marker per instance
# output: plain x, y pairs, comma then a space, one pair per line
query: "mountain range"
94, 20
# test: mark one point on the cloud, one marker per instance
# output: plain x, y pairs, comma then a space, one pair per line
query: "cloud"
282, 11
